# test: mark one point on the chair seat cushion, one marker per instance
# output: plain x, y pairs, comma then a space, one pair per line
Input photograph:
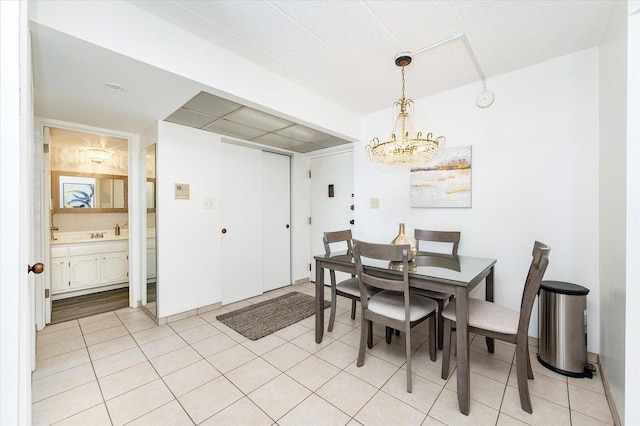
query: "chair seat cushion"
391, 304
351, 286
487, 316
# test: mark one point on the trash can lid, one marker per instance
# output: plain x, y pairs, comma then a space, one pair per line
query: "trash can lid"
564, 288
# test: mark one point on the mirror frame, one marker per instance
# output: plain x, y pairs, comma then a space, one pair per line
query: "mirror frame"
55, 192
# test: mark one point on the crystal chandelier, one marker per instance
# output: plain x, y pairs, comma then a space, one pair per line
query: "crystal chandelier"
405, 146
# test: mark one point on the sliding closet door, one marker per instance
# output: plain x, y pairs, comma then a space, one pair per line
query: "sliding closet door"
276, 214
241, 220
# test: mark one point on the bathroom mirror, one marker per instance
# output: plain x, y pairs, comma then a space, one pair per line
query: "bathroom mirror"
149, 241
74, 192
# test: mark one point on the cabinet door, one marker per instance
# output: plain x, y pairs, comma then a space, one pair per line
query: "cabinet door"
151, 264
114, 268
59, 271
84, 271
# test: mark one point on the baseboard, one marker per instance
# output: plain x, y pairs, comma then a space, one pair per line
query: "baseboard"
607, 392
301, 281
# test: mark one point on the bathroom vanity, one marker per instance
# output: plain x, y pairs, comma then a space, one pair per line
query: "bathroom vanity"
79, 263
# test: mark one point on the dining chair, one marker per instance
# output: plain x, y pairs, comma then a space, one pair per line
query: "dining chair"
393, 306
349, 288
447, 237
499, 322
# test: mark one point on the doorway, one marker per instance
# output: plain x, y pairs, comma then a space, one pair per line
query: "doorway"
332, 200
86, 196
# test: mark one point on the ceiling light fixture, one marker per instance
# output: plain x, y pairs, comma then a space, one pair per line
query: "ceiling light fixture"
115, 87
99, 155
405, 146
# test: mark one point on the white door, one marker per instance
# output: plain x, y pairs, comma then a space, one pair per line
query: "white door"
17, 327
276, 215
330, 213
241, 220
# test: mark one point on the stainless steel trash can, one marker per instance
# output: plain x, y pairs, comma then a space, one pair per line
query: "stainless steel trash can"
562, 328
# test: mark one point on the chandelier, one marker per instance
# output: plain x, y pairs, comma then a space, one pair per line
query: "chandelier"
405, 146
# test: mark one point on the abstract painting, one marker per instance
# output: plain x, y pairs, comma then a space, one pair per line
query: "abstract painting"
77, 192
444, 182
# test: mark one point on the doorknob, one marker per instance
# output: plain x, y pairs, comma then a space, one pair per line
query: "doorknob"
287, 226
224, 230
36, 268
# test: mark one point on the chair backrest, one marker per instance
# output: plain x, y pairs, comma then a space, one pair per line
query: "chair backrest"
538, 266
452, 237
388, 253
336, 237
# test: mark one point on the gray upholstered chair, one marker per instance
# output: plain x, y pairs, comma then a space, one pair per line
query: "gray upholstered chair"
498, 322
437, 237
349, 288
393, 305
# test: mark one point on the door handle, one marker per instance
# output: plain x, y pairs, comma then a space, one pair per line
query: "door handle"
287, 226
352, 221
36, 268
224, 230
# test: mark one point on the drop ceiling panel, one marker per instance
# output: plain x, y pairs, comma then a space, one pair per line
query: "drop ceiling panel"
233, 129
273, 139
211, 105
258, 119
190, 118
302, 133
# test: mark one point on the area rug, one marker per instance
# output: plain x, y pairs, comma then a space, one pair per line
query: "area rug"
264, 318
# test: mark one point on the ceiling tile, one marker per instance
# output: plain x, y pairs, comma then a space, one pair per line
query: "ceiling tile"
278, 140
233, 129
258, 119
209, 104
302, 133
189, 118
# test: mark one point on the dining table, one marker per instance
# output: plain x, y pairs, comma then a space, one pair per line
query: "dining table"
446, 273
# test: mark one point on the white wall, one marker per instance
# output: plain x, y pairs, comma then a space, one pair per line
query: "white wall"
534, 175
613, 99
188, 236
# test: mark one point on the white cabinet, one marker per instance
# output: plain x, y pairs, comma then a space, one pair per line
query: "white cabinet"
151, 259
79, 266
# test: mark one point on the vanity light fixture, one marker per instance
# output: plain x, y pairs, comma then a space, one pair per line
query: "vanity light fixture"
99, 155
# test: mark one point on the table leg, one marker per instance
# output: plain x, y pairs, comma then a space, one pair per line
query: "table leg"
462, 349
319, 302
489, 298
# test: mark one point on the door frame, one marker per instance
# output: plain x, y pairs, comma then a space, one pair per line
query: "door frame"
43, 306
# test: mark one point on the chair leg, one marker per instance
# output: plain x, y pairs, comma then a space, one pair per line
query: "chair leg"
353, 309
432, 339
388, 333
523, 387
365, 336
446, 349
407, 344
370, 336
529, 370
332, 316
440, 324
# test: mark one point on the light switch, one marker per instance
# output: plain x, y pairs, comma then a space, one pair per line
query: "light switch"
208, 203
374, 203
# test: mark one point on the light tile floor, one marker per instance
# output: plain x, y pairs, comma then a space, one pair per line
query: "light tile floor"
121, 368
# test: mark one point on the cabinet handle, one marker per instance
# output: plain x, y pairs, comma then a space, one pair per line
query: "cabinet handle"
287, 226
224, 230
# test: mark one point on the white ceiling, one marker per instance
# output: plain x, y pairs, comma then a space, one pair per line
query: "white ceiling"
343, 50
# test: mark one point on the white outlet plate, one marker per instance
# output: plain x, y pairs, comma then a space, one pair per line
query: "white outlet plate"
374, 203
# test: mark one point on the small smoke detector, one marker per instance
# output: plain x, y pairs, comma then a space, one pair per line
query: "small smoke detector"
115, 87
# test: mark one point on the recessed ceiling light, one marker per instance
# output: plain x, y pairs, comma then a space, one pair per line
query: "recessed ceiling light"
115, 87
